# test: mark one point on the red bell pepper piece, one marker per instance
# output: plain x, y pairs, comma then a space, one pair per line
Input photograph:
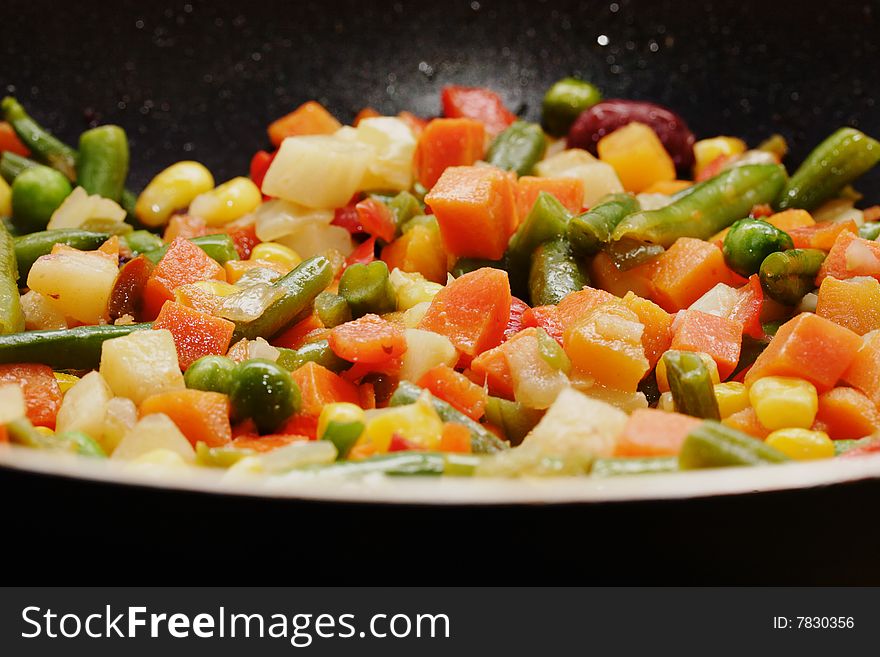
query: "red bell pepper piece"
515, 323
364, 254
747, 310
376, 218
349, 218
260, 165
477, 103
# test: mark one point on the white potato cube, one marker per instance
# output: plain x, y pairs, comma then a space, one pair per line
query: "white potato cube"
152, 432
121, 417
12, 406
599, 178
79, 207
319, 171
424, 350
76, 283
278, 218
84, 407
141, 364
311, 239
394, 145
39, 313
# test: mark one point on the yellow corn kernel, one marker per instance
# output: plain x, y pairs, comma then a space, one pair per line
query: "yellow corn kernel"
802, 444
732, 397
666, 403
227, 202
418, 423
708, 150
781, 402
5, 199
663, 382
172, 189
65, 381
46, 431
276, 253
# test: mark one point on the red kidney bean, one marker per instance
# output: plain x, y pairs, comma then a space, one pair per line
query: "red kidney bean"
609, 115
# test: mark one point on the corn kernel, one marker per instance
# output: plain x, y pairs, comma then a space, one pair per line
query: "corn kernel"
5, 199
663, 382
418, 423
732, 397
276, 253
666, 403
172, 189
781, 402
46, 431
802, 444
340, 413
227, 202
65, 381
707, 151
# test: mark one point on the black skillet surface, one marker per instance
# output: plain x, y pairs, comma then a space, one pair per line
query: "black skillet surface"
189, 80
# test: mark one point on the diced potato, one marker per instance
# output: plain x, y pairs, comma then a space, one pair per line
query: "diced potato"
79, 207
417, 423
412, 288
121, 417
84, 407
424, 350
152, 432
39, 313
718, 301
278, 218
312, 239
12, 406
141, 364
320, 171
599, 178
412, 317
394, 145
535, 382
76, 283
637, 155
156, 462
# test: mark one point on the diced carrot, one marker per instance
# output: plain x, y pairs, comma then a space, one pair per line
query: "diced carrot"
652, 432
369, 340
247, 428
362, 451
183, 263
376, 218
687, 270
477, 103
367, 395
657, 335
748, 307
244, 235
668, 187
455, 388
365, 113
476, 210
267, 443
308, 119
853, 303
821, 235
186, 226
447, 143
790, 219
849, 257
4, 434
568, 191
747, 421
319, 386
300, 424
846, 413
201, 416
295, 336
472, 311
42, 396
637, 155
576, 305
491, 369
195, 333
455, 438
9, 141
809, 347
605, 274
545, 317
518, 308
864, 371
420, 250
111, 247
720, 337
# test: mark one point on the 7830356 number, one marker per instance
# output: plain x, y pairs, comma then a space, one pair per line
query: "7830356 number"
825, 622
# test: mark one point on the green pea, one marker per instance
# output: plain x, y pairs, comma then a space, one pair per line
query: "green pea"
564, 102
36, 194
263, 391
749, 242
211, 373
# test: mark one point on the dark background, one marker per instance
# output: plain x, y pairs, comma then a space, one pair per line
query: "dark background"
193, 80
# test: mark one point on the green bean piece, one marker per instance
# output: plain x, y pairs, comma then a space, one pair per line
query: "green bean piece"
427, 220
844, 156
467, 265
519, 148
367, 289
404, 206
483, 441
11, 316
749, 241
397, 464
343, 435
76, 348
22, 432
81, 443
708, 208
546, 221
143, 241
44, 147
102, 165
218, 246
714, 445
552, 353
300, 286
34, 245
223, 456
870, 230
628, 253
12, 164
691, 384
263, 391
589, 231
564, 102
554, 273
318, 352
515, 419
613, 467
751, 349
36, 194
787, 276
211, 373
332, 309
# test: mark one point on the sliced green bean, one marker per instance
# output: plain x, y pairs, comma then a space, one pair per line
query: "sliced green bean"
554, 273
34, 245
44, 146
691, 384
589, 231
367, 289
787, 276
11, 316
519, 148
102, 165
76, 348
714, 445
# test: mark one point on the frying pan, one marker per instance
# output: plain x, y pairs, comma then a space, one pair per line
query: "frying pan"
201, 81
